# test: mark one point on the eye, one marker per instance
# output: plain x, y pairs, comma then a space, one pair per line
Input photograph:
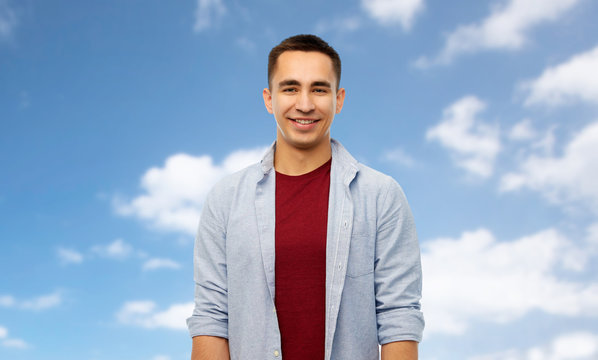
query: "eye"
289, 90
320, 91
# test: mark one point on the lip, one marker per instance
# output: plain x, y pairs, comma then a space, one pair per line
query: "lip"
303, 127
303, 118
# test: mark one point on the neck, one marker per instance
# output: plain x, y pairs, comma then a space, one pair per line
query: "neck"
290, 160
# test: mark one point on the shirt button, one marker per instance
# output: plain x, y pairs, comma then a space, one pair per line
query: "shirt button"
276, 353
345, 224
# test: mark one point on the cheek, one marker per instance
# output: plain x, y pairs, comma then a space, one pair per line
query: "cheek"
279, 106
330, 107
275, 107
279, 112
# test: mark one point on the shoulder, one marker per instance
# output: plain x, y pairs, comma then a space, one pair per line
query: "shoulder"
365, 176
229, 186
376, 179
226, 194
382, 187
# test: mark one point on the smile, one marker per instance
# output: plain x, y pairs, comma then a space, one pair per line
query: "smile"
304, 121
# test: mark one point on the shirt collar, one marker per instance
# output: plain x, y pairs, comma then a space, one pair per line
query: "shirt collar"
339, 154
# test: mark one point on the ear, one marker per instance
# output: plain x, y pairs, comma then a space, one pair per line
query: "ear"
340, 99
267, 99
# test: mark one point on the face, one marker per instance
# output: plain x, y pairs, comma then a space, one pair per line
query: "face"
303, 99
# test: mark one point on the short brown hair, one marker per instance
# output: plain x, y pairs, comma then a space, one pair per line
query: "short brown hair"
304, 42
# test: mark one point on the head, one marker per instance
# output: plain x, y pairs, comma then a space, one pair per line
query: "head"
303, 93
305, 43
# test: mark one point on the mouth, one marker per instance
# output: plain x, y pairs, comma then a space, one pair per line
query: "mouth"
304, 121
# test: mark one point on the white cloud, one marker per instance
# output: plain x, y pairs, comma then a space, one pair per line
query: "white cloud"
472, 143
118, 249
245, 43
534, 141
592, 236
506, 28
7, 301
477, 278
8, 20
570, 178
144, 314
398, 156
69, 256
522, 131
574, 80
39, 303
343, 25
573, 346
207, 12
15, 343
11, 342
388, 12
157, 263
546, 143
174, 194
161, 357
42, 302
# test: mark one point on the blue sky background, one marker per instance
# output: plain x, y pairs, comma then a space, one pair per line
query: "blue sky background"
116, 117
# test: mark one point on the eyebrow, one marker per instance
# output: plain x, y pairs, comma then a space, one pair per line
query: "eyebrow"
321, 84
288, 83
292, 82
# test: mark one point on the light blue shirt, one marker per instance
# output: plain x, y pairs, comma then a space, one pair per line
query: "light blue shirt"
373, 270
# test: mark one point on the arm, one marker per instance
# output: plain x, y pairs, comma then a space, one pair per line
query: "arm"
208, 324
210, 348
397, 271
399, 350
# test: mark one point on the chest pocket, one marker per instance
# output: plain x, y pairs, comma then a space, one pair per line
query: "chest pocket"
361, 251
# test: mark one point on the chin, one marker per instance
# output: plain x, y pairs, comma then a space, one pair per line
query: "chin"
306, 144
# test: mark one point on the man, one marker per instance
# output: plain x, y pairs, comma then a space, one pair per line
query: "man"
307, 254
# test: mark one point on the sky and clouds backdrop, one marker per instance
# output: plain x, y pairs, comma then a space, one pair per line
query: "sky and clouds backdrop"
117, 117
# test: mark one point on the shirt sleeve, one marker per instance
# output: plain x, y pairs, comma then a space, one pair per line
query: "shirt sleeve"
210, 315
397, 271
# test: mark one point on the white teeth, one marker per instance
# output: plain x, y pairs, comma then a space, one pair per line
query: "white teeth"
305, 122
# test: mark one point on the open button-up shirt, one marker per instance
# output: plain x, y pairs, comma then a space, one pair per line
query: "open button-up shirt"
373, 270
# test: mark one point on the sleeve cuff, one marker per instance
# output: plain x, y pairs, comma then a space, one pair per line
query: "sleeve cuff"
400, 325
199, 325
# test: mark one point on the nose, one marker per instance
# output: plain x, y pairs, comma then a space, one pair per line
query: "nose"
304, 102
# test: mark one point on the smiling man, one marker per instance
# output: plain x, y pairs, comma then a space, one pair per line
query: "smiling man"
308, 254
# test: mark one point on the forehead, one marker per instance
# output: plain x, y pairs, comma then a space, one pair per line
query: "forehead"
304, 66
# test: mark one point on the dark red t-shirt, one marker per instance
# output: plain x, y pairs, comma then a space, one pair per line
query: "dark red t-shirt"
300, 265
